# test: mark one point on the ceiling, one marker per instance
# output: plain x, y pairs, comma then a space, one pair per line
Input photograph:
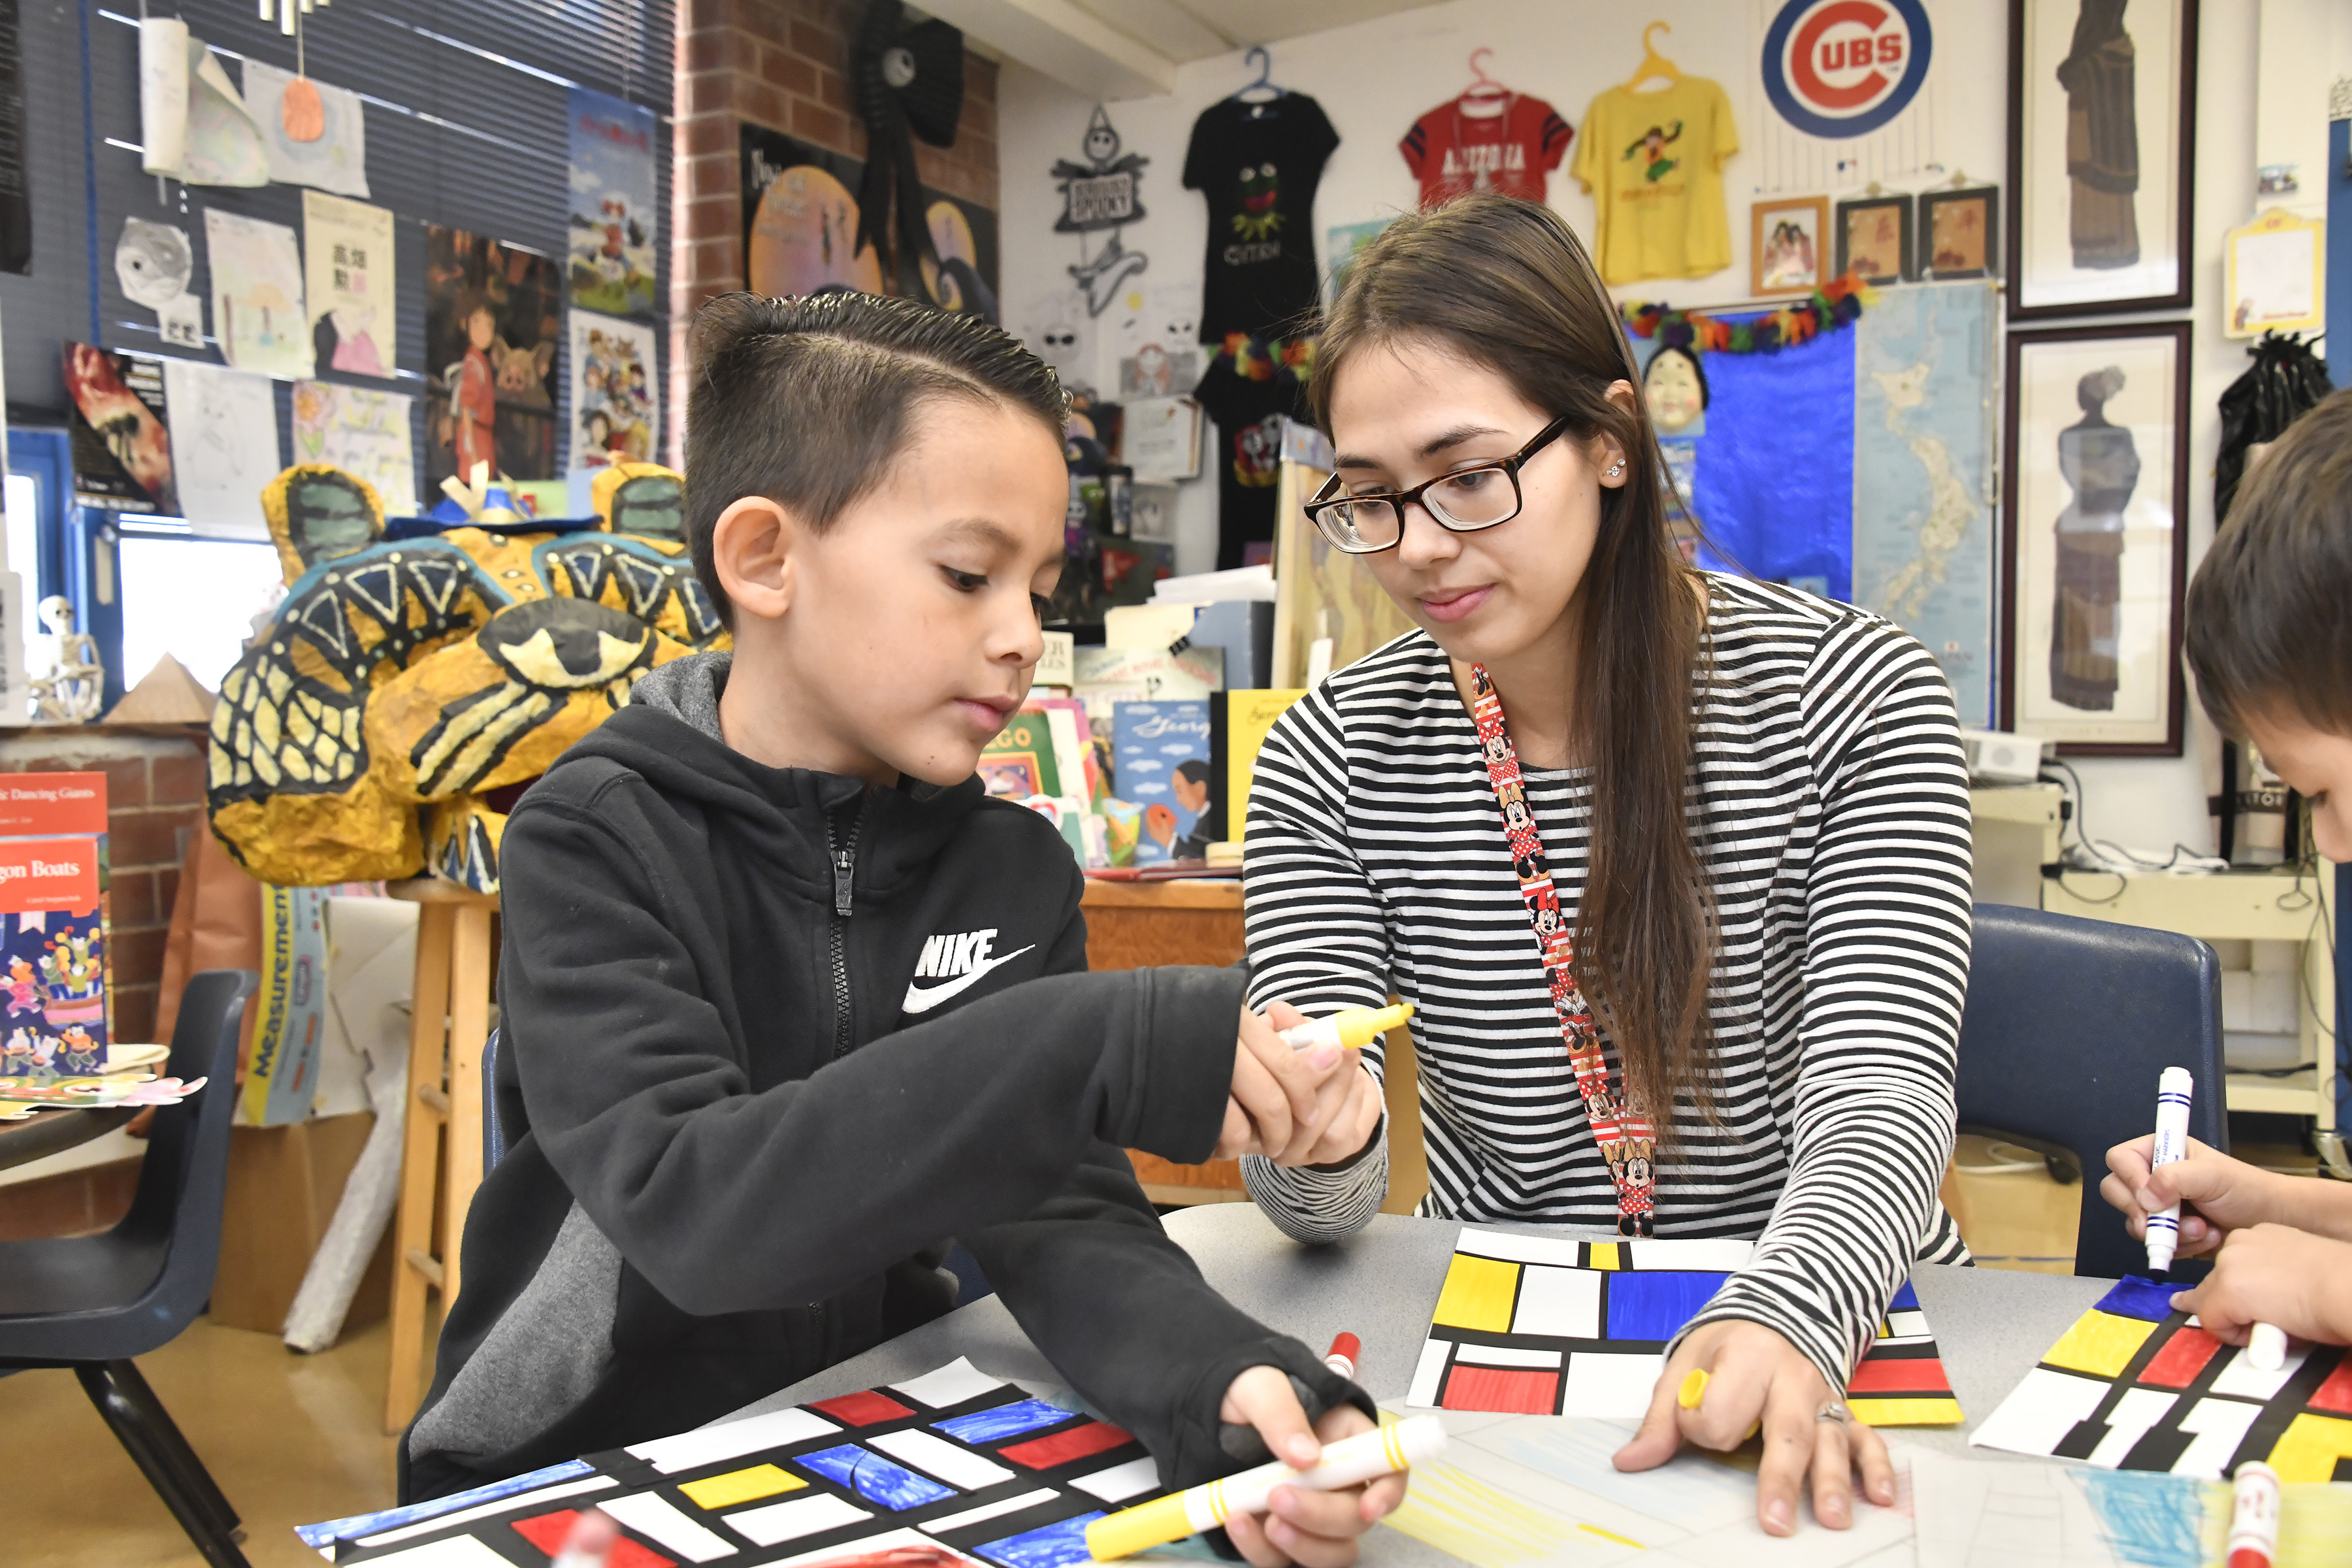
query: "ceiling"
1188, 31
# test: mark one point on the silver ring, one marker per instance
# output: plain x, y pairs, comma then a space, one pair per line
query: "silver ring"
1834, 1410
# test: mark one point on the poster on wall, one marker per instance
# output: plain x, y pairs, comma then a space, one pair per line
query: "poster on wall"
257, 314
491, 320
613, 208
2096, 461
800, 227
362, 432
1852, 90
347, 274
333, 156
121, 431
1155, 332
223, 446
616, 408
2101, 118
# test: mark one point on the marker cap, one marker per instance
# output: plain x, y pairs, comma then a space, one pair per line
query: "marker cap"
1359, 1026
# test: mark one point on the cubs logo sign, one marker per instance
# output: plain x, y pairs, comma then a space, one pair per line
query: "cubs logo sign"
1840, 69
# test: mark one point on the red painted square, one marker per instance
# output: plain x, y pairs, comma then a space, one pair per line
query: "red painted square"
2336, 1394
548, 1531
1078, 1443
863, 1409
1892, 1375
1502, 1389
2184, 1355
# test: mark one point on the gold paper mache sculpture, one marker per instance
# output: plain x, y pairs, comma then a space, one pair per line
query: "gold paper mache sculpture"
409, 689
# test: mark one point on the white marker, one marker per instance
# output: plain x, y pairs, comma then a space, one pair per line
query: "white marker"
2254, 1522
2172, 1092
2266, 1350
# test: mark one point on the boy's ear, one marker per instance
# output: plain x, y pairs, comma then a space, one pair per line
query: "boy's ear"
752, 547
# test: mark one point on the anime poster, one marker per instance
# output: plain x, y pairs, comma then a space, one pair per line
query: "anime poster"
257, 314
348, 278
613, 207
799, 228
121, 431
492, 321
616, 408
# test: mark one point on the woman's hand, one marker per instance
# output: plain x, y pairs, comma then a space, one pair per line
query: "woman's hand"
1297, 1107
1315, 1530
1755, 1376
2273, 1274
2217, 1194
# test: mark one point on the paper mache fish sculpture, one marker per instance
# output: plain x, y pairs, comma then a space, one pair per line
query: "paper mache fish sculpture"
418, 678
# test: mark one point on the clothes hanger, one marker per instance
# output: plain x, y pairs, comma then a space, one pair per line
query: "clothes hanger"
1484, 98
1263, 85
1654, 64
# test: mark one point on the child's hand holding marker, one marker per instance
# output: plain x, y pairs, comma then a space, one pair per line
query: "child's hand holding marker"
1301, 1095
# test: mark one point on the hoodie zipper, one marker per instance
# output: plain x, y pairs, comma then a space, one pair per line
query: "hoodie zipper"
844, 857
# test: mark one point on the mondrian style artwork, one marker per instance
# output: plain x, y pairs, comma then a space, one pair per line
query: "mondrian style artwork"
952, 1469
1543, 1326
2135, 1385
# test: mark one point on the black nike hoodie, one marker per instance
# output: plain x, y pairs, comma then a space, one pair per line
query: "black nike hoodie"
771, 1038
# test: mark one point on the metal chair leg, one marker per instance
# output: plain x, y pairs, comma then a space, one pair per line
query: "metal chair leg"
199, 1480
151, 1453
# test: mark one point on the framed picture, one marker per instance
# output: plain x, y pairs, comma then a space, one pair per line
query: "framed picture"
2102, 130
1959, 233
1874, 239
2095, 499
1787, 240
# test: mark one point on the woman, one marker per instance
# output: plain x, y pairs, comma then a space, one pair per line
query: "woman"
1752, 802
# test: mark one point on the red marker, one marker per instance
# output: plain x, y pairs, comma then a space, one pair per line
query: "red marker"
1341, 1357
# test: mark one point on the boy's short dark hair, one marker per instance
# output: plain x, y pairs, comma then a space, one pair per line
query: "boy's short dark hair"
2270, 612
805, 401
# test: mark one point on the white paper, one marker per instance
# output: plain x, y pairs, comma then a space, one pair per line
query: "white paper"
337, 161
2275, 273
458, 1551
1161, 437
180, 321
154, 262
162, 94
348, 278
256, 274
1973, 1512
989, 1510
938, 1458
1121, 1482
709, 1444
615, 395
951, 1384
650, 1514
223, 446
782, 1521
222, 145
365, 434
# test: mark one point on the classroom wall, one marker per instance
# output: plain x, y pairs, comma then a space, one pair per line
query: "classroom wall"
1373, 78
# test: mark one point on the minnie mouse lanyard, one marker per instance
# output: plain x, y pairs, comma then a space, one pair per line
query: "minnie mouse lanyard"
1622, 1132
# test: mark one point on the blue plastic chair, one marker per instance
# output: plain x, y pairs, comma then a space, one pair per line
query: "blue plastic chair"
2068, 1025
93, 1302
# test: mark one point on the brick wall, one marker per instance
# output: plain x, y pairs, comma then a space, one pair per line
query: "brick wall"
780, 64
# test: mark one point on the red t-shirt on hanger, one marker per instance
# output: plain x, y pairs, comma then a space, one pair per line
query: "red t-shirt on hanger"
1452, 152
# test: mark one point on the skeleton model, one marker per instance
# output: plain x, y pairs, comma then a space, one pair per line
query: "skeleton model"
75, 687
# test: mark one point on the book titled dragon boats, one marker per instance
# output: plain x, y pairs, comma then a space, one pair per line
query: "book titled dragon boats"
54, 996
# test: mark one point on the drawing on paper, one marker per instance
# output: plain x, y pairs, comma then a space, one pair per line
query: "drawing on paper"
365, 434
256, 274
1534, 1325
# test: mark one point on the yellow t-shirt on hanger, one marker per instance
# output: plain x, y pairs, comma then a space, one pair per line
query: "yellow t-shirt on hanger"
1654, 162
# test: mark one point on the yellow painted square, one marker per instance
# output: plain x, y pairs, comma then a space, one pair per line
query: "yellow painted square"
2099, 1344
1604, 1256
2308, 1449
1906, 1411
1478, 1294
740, 1485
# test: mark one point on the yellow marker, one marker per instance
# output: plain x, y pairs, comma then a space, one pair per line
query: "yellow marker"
1351, 1028
1362, 1458
1692, 1390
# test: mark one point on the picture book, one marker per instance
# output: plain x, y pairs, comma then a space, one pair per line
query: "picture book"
1539, 1325
53, 933
1159, 752
1021, 761
956, 1469
2135, 1385
1249, 716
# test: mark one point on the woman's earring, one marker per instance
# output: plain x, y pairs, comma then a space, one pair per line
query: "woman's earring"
1615, 468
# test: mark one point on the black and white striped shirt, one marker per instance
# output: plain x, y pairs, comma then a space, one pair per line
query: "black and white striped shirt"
1831, 807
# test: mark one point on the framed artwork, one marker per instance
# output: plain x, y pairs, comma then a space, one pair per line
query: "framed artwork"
1959, 233
1874, 239
2102, 130
2094, 501
1785, 246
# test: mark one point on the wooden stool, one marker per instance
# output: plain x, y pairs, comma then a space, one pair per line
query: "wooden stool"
450, 1020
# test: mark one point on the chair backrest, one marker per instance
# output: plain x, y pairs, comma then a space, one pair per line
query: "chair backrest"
494, 1135
2068, 1023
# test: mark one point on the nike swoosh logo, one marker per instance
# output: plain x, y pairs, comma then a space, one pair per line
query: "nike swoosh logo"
920, 1000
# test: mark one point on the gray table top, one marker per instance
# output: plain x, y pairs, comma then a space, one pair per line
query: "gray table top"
1383, 1284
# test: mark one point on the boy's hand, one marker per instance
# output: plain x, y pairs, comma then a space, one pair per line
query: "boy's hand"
2217, 1194
1283, 1102
2276, 1274
1315, 1530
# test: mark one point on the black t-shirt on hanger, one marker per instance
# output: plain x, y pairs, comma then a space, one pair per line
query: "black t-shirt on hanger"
1258, 164
1247, 449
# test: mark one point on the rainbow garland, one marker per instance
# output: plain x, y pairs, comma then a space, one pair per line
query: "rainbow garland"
1258, 359
1834, 304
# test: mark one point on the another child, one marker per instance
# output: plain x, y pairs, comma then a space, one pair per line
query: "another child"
789, 1005
2270, 646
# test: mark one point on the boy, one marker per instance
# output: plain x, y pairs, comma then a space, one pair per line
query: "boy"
2270, 642
787, 1003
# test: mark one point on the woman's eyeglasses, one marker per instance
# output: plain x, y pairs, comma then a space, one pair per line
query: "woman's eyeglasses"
1463, 500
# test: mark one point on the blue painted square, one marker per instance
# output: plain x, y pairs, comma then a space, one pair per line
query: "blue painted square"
2136, 1296
1646, 1306
1907, 1299
1002, 1421
874, 1478
1052, 1547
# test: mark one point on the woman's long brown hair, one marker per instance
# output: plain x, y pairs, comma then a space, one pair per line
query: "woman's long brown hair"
1506, 284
